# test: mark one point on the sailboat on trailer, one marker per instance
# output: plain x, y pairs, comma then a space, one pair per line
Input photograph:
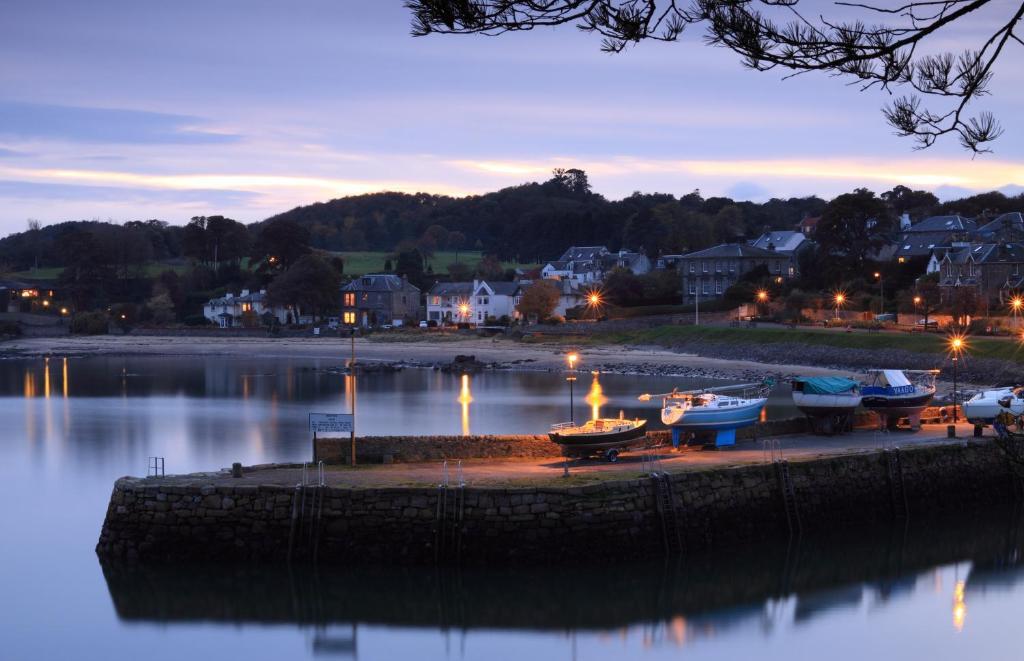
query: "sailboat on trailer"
712, 410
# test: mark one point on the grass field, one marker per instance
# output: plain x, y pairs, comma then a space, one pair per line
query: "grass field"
358, 263
153, 269
929, 343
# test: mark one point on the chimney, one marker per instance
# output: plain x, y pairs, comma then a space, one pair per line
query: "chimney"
245, 292
904, 221
476, 283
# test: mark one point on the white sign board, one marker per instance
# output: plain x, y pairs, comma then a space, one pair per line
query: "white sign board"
330, 423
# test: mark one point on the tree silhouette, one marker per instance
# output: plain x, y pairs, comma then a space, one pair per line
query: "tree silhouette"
905, 52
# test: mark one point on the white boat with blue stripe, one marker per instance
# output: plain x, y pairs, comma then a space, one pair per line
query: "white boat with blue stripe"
710, 410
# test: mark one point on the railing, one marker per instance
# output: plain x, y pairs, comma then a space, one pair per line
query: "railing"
563, 425
155, 467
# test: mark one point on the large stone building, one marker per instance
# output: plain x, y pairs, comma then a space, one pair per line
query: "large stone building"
709, 273
379, 299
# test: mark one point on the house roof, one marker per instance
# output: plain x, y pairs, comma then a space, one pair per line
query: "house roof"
583, 253
944, 224
379, 282
451, 289
254, 297
733, 250
918, 244
15, 284
501, 287
988, 253
1013, 222
783, 241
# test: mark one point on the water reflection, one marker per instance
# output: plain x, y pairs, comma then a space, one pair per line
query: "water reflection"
465, 397
746, 594
595, 397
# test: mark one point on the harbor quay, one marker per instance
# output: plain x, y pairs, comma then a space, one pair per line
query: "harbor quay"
527, 510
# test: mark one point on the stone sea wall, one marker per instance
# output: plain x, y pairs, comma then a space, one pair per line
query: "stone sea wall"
693, 511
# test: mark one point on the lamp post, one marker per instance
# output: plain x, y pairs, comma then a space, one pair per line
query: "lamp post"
881, 292
571, 358
840, 298
956, 347
1016, 303
762, 297
594, 302
352, 375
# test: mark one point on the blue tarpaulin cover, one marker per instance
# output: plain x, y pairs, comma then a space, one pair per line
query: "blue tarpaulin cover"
825, 385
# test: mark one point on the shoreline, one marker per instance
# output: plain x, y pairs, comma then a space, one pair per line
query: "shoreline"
495, 353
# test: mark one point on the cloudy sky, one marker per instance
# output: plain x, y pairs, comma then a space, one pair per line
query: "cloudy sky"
123, 110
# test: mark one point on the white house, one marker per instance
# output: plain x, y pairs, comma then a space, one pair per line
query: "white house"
232, 311
473, 302
578, 264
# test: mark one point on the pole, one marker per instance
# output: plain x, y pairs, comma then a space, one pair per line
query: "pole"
572, 414
352, 375
955, 419
881, 294
696, 305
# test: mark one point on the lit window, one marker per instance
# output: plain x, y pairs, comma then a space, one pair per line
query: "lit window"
349, 318
350, 299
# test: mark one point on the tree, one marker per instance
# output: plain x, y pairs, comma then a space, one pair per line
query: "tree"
917, 203
456, 240
623, 288
490, 268
310, 285
925, 299
852, 229
905, 52
539, 300
409, 263
458, 272
280, 243
572, 180
160, 305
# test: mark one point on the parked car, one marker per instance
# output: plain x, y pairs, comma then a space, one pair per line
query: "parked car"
930, 324
424, 324
386, 327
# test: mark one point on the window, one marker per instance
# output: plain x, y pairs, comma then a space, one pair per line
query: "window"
246, 307
693, 289
778, 267
704, 267
732, 266
349, 318
704, 288
436, 300
366, 297
349, 299
718, 286
693, 267
718, 267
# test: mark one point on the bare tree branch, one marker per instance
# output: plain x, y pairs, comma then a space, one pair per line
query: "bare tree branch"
882, 55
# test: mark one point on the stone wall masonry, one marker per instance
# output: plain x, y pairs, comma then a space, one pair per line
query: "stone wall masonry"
152, 520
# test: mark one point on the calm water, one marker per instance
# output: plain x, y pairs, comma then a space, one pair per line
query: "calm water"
70, 427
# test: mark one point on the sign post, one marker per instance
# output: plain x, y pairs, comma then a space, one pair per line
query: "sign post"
333, 424
352, 373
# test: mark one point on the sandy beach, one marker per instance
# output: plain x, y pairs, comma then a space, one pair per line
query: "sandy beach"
508, 354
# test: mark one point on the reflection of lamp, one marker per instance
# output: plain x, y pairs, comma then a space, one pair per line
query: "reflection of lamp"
959, 606
595, 397
465, 397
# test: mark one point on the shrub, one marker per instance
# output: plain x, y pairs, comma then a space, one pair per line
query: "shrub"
90, 323
9, 328
196, 320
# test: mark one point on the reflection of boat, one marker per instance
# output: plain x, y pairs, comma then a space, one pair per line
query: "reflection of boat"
827, 400
983, 408
607, 435
893, 396
710, 411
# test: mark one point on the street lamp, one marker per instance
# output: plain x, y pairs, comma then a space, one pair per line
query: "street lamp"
594, 302
571, 358
957, 346
1016, 303
881, 292
762, 297
840, 298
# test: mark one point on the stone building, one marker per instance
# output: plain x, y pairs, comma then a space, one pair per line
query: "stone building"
379, 299
709, 273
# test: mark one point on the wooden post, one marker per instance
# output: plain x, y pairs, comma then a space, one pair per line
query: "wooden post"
314, 447
352, 373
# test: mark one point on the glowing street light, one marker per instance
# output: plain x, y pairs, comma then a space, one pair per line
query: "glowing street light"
957, 346
571, 359
839, 300
1016, 303
881, 292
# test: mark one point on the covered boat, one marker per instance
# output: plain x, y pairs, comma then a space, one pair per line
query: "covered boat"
605, 436
893, 396
829, 401
982, 408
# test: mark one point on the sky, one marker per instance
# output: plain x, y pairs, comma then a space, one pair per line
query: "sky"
123, 110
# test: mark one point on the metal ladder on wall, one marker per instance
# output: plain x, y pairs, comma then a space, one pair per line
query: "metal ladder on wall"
448, 519
897, 485
773, 452
306, 522
665, 505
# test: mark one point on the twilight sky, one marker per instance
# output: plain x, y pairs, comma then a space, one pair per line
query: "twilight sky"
126, 110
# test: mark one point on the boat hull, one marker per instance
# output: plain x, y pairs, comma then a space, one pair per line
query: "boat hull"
897, 405
823, 406
589, 443
983, 408
714, 419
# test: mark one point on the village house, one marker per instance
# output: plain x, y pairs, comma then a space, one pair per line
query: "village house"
918, 241
636, 263
248, 309
16, 296
709, 273
379, 299
579, 264
476, 303
993, 271
784, 241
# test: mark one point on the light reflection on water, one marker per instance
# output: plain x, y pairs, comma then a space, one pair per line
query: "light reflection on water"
72, 426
